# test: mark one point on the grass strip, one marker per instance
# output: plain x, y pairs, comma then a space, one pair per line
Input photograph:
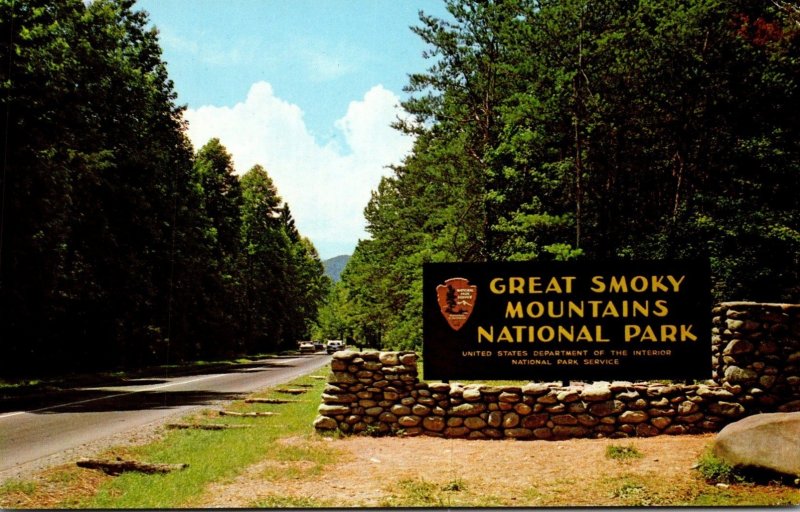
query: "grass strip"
212, 456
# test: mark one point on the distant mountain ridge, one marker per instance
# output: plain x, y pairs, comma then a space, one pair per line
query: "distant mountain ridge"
335, 265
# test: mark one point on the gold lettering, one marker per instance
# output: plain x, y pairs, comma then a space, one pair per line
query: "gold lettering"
553, 286
676, 285
639, 284
497, 286
610, 310
483, 334
658, 285
661, 308
546, 334
567, 333
584, 334
618, 284
667, 333
648, 334
631, 331
505, 335
576, 308
514, 310
535, 309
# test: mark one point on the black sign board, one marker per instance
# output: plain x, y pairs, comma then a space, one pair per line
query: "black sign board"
567, 320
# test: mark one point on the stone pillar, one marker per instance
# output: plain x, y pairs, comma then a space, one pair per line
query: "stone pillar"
367, 391
756, 354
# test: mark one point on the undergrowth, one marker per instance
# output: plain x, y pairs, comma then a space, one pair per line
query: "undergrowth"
716, 470
619, 452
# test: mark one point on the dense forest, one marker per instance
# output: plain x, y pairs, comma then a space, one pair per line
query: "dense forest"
119, 245
589, 129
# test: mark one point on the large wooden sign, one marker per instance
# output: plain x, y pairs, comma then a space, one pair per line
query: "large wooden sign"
567, 320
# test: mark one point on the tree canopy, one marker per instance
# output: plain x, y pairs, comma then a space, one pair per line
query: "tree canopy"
577, 129
118, 245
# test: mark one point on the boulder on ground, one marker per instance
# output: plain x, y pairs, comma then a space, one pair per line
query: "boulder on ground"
767, 441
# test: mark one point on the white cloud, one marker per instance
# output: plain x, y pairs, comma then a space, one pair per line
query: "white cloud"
326, 187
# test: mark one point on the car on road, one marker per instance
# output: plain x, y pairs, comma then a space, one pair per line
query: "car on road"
306, 347
318, 345
334, 345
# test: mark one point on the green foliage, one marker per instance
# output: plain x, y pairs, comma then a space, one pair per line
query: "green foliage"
570, 130
280, 502
285, 279
118, 246
716, 470
419, 492
97, 170
619, 452
632, 492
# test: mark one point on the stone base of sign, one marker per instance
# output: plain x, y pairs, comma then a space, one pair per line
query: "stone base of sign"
756, 363
366, 394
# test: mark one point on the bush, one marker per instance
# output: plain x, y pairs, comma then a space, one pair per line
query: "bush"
716, 470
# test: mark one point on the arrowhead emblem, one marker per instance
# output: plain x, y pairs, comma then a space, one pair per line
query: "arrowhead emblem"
456, 300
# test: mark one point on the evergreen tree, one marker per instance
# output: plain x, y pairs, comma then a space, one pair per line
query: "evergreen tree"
595, 130
93, 149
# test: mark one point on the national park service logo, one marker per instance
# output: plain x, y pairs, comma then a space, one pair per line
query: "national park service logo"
456, 300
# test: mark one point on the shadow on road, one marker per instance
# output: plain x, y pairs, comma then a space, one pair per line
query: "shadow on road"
134, 382
161, 399
92, 400
71, 390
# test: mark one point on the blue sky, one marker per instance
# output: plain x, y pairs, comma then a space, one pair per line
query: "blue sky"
305, 88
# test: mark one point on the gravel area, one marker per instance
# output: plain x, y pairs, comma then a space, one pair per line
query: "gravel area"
374, 471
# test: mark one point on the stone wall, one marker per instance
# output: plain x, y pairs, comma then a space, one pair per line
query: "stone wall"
756, 358
756, 354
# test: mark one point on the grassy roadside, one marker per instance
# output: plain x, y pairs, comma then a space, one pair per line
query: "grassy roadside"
213, 456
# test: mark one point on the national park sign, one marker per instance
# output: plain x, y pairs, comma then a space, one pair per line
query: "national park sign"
566, 320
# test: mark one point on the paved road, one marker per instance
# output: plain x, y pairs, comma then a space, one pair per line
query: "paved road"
32, 439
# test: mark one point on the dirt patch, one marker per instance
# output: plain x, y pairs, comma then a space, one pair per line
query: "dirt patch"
448, 472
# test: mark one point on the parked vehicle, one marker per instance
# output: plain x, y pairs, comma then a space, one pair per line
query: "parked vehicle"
334, 345
318, 345
306, 347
